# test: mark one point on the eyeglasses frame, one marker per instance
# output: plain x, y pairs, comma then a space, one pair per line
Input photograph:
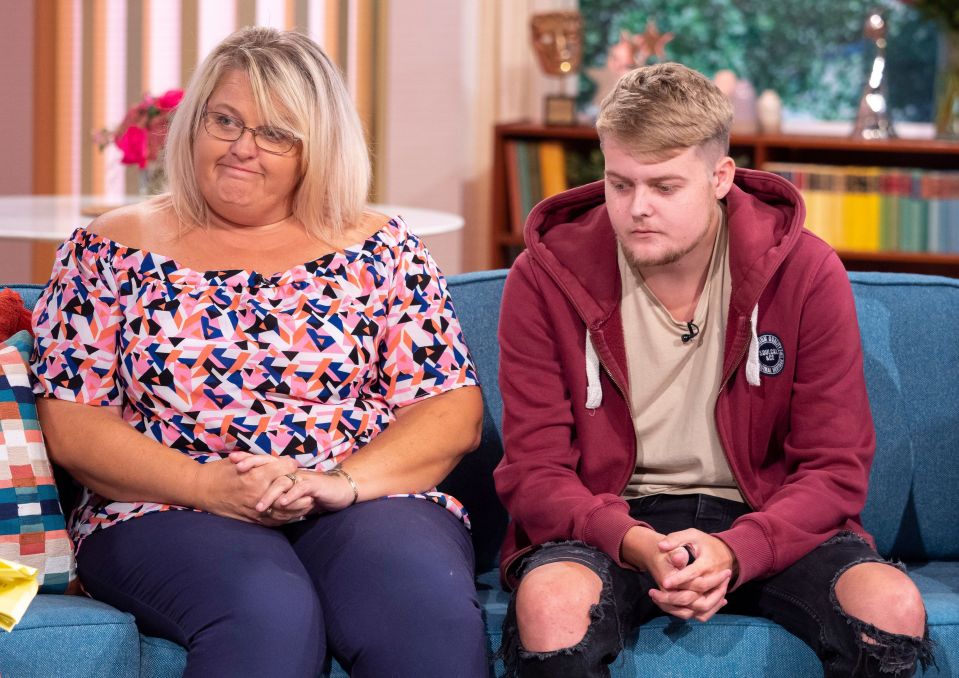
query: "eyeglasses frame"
243, 129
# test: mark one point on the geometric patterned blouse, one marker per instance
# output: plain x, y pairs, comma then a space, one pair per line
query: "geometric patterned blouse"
309, 363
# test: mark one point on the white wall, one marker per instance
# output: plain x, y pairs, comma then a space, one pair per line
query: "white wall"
426, 128
16, 125
425, 113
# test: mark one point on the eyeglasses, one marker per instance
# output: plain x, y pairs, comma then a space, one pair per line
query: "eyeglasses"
270, 139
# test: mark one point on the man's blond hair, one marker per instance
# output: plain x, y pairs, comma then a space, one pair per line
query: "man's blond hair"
658, 111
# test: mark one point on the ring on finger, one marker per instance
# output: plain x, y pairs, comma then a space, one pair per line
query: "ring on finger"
268, 512
292, 476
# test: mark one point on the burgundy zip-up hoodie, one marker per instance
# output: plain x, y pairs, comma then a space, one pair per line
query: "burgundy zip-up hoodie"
792, 412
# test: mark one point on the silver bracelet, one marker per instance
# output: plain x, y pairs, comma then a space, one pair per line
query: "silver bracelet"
340, 471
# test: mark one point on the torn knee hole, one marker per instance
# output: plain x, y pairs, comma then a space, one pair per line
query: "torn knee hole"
894, 652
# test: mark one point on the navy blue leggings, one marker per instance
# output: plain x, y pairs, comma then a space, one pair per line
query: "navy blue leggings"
386, 586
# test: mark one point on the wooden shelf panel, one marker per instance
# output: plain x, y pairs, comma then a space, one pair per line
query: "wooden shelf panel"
918, 258
791, 141
902, 262
787, 141
910, 146
531, 131
510, 238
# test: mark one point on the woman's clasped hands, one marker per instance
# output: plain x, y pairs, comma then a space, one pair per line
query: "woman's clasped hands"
286, 491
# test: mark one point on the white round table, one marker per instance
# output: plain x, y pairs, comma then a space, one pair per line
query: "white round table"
52, 218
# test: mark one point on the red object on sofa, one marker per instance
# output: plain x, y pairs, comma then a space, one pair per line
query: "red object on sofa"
14, 316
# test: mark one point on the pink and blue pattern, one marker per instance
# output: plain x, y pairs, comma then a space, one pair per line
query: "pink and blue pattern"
310, 363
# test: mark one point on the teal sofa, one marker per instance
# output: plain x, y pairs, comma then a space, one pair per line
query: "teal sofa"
910, 334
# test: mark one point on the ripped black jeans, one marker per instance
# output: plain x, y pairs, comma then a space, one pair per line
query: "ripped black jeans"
801, 599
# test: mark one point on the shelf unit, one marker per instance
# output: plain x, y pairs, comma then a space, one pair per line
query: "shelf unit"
756, 150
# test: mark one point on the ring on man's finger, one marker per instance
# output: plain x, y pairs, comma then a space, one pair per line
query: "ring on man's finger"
293, 477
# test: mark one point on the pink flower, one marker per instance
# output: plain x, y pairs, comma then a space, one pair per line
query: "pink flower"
135, 146
169, 99
144, 129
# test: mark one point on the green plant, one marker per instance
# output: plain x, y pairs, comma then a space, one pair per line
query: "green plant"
811, 52
946, 11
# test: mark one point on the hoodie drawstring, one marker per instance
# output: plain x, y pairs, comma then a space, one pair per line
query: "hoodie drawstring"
594, 388
752, 356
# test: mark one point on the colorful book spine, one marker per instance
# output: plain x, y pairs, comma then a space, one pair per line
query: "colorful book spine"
913, 227
517, 218
535, 178
888, 212
872, 209
950, 210
853, 210
552, 168
814, 194
861, 210
838, 232
527, 197
929, 188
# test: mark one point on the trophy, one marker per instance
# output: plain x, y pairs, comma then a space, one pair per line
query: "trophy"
872, 120
558, 41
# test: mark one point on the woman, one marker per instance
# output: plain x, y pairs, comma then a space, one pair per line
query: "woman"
188, 329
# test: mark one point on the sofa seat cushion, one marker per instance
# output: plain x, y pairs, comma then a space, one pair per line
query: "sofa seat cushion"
938, 581
71, 637
67, 635
161, 658
733, 645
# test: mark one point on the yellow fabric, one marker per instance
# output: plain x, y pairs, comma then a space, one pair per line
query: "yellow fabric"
18, 587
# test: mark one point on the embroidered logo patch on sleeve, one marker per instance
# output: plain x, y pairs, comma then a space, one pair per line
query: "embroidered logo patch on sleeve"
772, 357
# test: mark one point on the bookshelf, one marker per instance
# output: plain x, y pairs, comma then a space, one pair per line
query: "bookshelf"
749, 150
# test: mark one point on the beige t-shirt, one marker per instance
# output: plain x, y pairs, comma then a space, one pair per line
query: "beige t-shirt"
673, 386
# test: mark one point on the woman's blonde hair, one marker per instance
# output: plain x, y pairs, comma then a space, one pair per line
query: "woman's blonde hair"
298, 88
657, 111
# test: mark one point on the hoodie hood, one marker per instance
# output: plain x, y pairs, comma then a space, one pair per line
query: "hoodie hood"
765, 216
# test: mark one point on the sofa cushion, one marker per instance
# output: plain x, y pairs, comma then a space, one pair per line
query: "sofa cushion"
71, 637
476, 297
32, 529
161, 658
747, 647
909, 326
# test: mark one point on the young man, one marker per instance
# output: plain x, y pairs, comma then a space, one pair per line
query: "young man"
685, 417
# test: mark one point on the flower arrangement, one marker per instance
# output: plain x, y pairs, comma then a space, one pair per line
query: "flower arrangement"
141, 135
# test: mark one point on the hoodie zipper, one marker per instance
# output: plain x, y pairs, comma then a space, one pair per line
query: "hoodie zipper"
739, 359
722, 438
629, 409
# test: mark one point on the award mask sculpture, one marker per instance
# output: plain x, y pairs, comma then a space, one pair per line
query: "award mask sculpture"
558, 41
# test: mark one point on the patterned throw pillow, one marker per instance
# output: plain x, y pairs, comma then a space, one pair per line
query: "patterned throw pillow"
32, 529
